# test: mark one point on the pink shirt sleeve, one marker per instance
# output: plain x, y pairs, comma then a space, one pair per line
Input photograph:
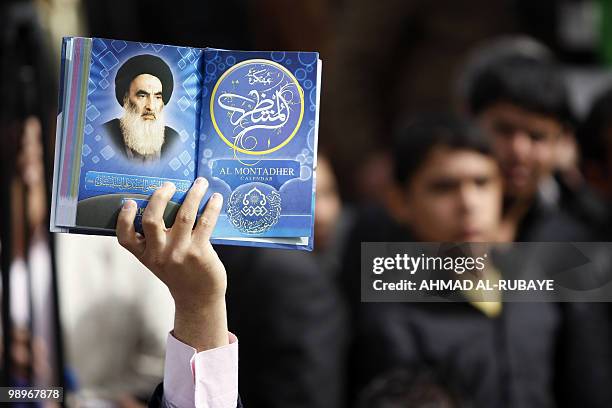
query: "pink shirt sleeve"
208, 379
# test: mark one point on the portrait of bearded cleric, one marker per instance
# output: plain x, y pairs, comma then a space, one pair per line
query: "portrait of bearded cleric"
143, 86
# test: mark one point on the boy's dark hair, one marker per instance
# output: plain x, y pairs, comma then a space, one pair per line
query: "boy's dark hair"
591, 134
415, 141
533, 84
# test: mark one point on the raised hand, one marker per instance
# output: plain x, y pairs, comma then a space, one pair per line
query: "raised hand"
183, 258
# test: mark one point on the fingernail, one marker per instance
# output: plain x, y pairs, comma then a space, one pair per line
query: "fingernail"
168, 184
200, 180
217, 196
128, 204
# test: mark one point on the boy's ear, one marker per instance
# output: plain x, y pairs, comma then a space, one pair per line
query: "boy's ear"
397, 204
567, 152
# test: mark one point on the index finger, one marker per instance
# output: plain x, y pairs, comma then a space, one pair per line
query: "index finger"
186, 215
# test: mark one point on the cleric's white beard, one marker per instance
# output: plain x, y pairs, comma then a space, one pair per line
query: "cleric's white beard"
145, 137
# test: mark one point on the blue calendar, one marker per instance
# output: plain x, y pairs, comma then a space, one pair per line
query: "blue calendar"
134, 115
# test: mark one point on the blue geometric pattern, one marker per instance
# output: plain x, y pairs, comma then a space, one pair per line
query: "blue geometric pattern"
185, 157
191, 86
183, 135
119, 45
97, 47
91, 87
107, 152
183, 103
92, 113
109, 61
184, 51
175, 164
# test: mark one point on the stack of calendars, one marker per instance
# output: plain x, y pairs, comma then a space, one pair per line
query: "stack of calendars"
134, 115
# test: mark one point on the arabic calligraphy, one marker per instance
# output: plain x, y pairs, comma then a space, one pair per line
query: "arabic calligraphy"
261, 76
256, 111
257, 106
111, 182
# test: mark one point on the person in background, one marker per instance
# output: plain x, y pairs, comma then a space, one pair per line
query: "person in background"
498, 354
34, 358
566, 189
521, 103
31, 351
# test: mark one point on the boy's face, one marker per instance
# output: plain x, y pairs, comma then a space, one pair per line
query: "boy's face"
524, 143
456, 196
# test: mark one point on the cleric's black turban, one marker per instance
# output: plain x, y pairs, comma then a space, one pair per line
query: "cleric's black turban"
143, 64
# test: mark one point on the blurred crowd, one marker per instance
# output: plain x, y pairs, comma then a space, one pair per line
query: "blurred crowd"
470, 121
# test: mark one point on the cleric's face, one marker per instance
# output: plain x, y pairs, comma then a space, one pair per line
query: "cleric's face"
145, 96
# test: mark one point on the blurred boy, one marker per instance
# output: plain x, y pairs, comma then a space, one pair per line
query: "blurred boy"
448, 182
449, 189
521, 103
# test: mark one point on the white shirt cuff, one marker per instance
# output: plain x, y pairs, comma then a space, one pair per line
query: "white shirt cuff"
208, 379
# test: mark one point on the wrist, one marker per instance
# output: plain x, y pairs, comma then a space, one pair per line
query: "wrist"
197, 310
202, 326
